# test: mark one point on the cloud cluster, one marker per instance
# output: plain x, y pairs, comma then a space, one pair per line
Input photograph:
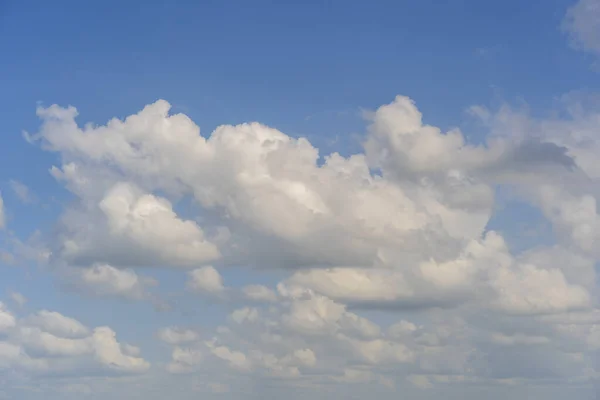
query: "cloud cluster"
401, 230
310, 338
105, 280
48, 343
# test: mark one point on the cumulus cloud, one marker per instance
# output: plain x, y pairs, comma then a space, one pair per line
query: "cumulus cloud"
485, 272
206, 280
7, 320
49, 343
259, 293
106, 280
401, 229
126, 233
294, 209
310, 337
177, 335
184, 360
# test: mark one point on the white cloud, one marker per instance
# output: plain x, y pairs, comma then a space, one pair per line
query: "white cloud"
39, 342
356, 284
176, 335
484, 273
533, 290
57, 324
235, 359
389, 270
244, 314
259, 293
206, 280
337, 213
109, 353
184, 360
126, 233
7, 320
106, 280
50, 343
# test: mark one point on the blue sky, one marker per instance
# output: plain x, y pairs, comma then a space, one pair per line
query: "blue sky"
314, 70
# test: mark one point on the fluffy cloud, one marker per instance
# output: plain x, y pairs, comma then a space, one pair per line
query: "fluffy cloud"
274, 201
183, 360
405, 265
295, 205
259, 293
308, 337
57, 324
49, 343
206, 280
106, 280
126, 233
7, 320
388, 267
534, 290
485, 272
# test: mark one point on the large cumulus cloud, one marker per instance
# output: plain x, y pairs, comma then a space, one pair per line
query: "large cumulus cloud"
401, 229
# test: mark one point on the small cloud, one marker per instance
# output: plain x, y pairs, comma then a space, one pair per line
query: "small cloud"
104, 280
479, 112
420, 381
206, 279
259, 293
23, 192
177, 335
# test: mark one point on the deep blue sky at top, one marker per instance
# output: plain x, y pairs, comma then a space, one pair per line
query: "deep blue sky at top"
304, 67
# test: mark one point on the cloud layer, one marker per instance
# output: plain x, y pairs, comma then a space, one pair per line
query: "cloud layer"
401, 229
48, 343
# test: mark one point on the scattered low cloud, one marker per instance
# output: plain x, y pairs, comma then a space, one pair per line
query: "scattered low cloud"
107, 281
48, 343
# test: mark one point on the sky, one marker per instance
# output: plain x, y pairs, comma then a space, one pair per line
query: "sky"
321, 199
